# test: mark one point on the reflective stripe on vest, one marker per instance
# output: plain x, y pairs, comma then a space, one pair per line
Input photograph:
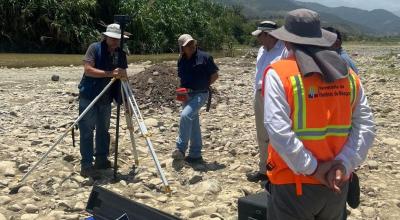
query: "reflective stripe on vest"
300, 112
353, 89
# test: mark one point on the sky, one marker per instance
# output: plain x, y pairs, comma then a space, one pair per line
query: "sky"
390, 5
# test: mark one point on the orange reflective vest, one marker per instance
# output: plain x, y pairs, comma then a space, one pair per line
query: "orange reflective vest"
321, 116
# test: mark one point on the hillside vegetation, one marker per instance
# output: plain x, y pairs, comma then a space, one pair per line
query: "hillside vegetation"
69, 26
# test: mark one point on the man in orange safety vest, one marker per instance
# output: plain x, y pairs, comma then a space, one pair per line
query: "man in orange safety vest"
318, 120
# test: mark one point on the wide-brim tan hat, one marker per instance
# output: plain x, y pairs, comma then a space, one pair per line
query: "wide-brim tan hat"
264, 26
114, 31
184, 39
302, 26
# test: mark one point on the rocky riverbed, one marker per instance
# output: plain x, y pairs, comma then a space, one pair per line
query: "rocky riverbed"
35, 111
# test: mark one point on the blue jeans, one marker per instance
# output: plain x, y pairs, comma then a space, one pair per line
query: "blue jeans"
98, 117
189, 127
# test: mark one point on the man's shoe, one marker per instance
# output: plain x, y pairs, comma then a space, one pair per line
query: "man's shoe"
89, 172
178, 155
256, 176
102, 164
194, 160
353, 195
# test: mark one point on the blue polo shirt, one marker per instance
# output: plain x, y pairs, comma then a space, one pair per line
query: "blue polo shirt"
195, 73
90, 87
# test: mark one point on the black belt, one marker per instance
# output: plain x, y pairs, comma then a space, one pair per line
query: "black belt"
197, 90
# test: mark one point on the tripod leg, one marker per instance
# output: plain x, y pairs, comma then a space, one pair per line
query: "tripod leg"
66, 132
116, 142
128, 118
145, 133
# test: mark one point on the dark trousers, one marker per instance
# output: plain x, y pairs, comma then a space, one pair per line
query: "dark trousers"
97, 118
316, 203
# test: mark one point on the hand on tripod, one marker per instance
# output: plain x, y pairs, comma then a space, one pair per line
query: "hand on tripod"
119, 73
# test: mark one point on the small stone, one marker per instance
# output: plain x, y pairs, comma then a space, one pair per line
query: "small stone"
143, 195
195, 179
202, 211
68, 158
56, 213
391, 141
4, 183
355, 213
71, 217
156, 73
188, 204
369, 212
79, 206
15, 208
14, 113
9, 172
233, 152
151, 122
217, 216
373, 165
4, 200
29, 216
162, 199
55, 78
25, 189
37, 142
30, 208
381, 80
4, 165
23, 167
210, 186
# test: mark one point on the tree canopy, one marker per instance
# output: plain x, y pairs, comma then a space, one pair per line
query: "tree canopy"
69, 26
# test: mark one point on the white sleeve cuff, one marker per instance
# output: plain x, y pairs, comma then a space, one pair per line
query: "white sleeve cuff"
312, 167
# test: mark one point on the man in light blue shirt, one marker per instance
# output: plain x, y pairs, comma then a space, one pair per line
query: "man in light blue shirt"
337, 46
270, 49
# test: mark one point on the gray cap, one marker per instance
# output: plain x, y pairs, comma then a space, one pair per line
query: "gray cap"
185, 39
264, 26
302, 26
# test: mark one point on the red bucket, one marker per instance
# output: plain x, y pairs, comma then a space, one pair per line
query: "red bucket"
182, 94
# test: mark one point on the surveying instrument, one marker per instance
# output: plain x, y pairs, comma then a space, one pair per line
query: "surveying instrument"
131, 112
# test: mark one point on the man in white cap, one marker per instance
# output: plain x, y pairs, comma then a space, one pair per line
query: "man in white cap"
270, 49
318, 120
197, 71
103, 61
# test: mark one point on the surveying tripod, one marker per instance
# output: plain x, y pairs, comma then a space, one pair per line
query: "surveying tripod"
131, 111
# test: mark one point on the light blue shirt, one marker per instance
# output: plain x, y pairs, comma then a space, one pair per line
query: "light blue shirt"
264, 58
348, 60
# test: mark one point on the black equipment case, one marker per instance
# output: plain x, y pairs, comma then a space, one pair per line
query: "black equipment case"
106, 205
253, 207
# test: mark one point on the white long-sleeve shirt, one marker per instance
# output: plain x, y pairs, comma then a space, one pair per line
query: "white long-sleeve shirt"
264, 58
283, 139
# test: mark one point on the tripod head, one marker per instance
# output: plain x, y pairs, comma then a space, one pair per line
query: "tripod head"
122, 20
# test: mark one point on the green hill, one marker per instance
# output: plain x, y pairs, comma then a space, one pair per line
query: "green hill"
349, 20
